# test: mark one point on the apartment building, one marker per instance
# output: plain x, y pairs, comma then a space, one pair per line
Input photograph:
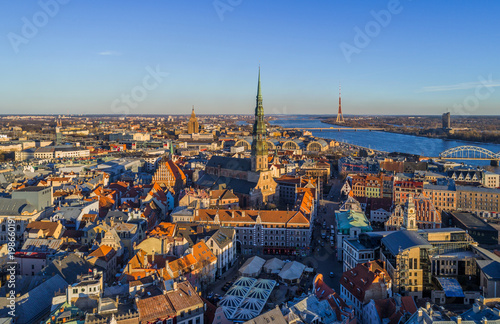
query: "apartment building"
265, 231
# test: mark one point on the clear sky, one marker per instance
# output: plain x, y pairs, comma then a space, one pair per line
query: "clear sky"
162, 57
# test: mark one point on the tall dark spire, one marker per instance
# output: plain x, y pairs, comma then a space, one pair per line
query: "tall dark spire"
259, 144
259, 94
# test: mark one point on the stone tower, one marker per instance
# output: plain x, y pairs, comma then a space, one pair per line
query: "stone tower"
193, 127
410, 215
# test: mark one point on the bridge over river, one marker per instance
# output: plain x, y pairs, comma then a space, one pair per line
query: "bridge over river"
469, 152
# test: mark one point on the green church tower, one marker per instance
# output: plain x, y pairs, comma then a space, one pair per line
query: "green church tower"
259, 143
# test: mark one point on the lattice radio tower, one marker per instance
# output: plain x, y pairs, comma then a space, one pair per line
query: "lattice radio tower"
340, 117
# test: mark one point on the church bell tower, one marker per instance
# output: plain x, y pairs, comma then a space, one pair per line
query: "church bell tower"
410, 215
259, 143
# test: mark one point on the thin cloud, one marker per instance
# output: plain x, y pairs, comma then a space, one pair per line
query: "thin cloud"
460, 86
110, 53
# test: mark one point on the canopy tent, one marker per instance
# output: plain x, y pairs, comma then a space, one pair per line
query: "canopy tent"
252, 267
273, 265
292, 272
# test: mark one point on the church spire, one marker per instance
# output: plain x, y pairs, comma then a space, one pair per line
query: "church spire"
259, 94
259, 144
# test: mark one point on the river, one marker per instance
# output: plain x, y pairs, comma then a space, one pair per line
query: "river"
385, 141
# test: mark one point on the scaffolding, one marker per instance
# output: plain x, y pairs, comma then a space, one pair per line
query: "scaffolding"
402, 274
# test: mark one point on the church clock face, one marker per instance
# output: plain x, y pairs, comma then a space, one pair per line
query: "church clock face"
411, 211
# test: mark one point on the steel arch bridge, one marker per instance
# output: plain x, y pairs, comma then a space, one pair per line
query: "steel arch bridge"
469, 152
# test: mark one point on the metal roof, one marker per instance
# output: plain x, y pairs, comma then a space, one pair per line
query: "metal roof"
246, 298
404, 240
451, 287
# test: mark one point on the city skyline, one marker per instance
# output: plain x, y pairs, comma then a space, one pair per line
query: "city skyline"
394, 58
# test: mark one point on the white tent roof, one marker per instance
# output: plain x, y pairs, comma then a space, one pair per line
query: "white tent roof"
252, 266
274, 264
292, 270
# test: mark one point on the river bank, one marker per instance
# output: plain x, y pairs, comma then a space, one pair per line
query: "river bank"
386, 141
459, 135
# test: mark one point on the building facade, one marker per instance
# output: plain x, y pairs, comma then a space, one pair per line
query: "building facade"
263, 232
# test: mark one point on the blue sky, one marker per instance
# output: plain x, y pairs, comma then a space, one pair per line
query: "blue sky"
87, 56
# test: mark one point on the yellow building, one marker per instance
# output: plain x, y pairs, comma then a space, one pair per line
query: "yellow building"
193, 126
406, 255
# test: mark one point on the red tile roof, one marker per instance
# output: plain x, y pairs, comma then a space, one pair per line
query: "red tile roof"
359, 279
155, 308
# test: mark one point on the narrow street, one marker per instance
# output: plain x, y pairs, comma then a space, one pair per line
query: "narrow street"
324, 258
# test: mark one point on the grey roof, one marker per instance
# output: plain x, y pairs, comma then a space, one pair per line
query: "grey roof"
403, 240
31, 189
230, 163
15, 207
490, 268
450, 187
472, 222
69, 213
223, 236
41, 245
45, 149
273, 316
444, 230
237, 185
116, 215
478, 189
39, 300
182, 211
206, 180
69, 268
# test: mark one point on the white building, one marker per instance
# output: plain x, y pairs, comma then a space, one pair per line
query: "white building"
491, 180
356, 253
50, 152
223, 245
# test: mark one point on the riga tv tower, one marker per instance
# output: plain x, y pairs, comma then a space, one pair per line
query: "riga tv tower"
340, 117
